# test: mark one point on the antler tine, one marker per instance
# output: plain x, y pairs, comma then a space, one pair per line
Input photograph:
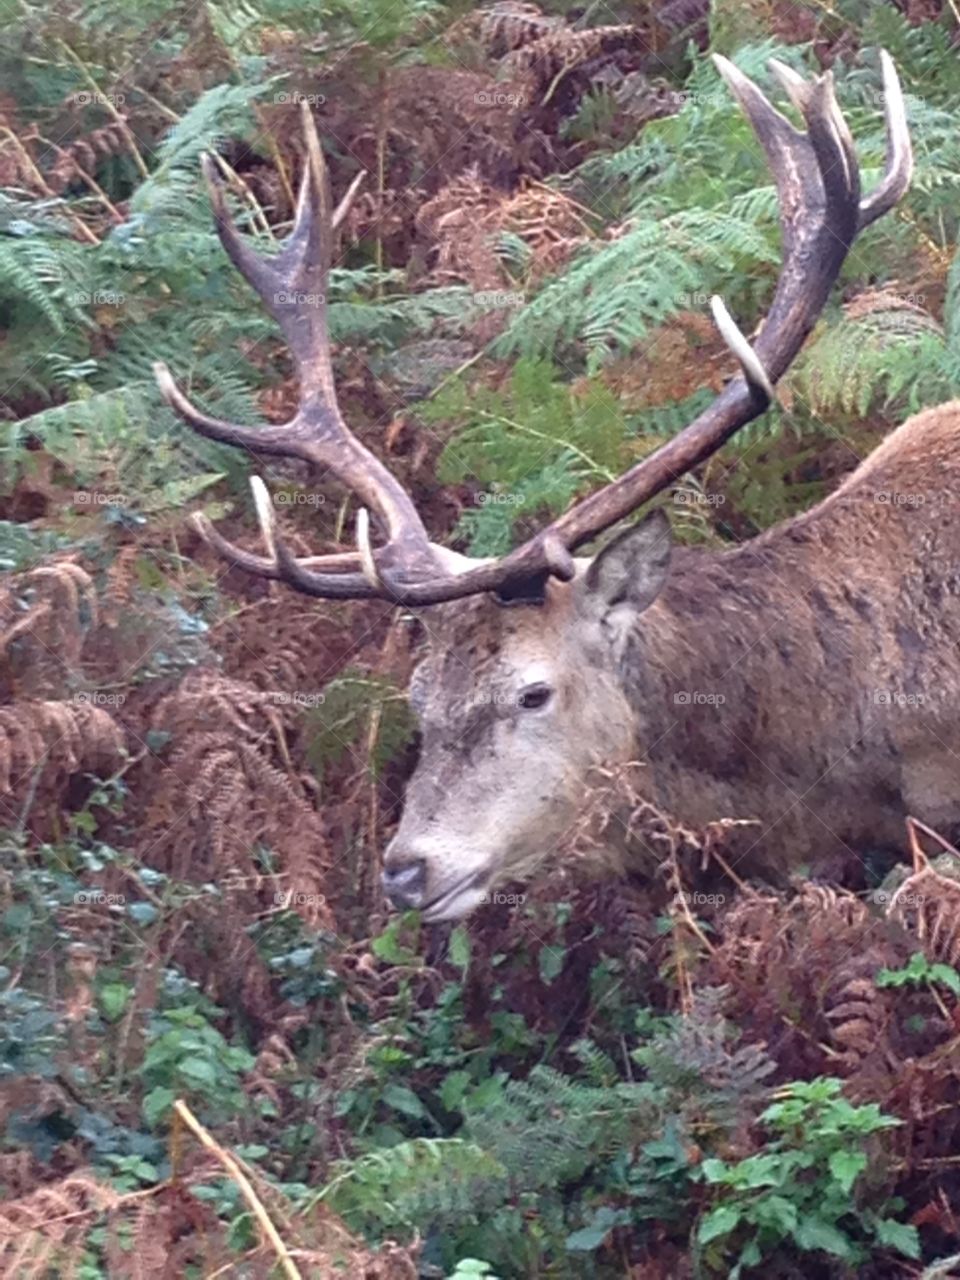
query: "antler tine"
898, 168
750, 365
343, 208
292, 286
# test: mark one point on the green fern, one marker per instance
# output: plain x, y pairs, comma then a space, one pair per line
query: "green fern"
700, 212
426, 1179
532, 447
893, 357
339, 725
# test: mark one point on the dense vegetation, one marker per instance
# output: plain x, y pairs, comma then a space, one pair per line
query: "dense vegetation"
198, 773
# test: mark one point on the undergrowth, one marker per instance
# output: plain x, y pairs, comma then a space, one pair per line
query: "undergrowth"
198, 774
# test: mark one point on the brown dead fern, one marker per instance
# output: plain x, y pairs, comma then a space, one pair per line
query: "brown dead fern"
44, 744
927, 902
46, 615
228, 791
459, 229
45, 1232
801, 968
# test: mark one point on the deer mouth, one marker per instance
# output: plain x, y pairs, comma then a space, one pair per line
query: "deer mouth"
458, 900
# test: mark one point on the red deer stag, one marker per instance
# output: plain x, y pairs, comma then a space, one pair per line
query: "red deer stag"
807, 679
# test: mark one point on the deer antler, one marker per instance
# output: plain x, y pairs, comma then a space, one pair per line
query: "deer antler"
821, 213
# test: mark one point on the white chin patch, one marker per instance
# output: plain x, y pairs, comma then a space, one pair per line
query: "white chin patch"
455, 905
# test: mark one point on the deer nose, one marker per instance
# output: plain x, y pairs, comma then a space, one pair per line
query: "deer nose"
405, 883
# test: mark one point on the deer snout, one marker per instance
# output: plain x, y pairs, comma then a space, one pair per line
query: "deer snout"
405, 881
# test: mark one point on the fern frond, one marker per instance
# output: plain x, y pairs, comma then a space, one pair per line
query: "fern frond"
884, 352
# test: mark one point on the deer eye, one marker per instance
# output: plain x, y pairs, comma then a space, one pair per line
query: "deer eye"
534, 697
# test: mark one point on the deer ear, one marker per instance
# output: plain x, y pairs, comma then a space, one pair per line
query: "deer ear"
633, 568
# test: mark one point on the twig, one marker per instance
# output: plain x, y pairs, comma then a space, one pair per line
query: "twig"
88, 178
277, 156
231, 175
105, 100
184, 1113
27, 159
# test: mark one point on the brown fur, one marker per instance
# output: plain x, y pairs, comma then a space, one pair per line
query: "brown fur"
808, 679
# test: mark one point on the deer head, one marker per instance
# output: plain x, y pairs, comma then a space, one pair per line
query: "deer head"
517, 703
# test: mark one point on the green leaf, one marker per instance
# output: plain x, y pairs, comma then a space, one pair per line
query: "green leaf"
113, 998
157, 1104
455, 1085
198, 1071
177, 493
388, 945
815, 1233
403, 1099
718, 1222
947, 975
898, 1235
846, 1167
713, 1170
551, 963
142, 912
776, 1212
592, 1237
460, 948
